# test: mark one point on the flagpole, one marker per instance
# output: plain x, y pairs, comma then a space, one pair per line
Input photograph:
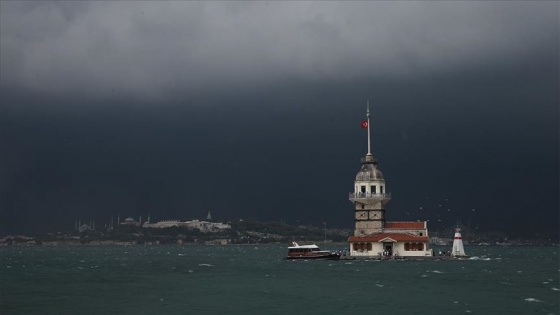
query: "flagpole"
368, 136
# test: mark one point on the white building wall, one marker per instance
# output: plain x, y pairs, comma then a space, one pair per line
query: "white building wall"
398, 250
376, 250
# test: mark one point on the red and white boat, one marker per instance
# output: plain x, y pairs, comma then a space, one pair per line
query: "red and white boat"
297, 251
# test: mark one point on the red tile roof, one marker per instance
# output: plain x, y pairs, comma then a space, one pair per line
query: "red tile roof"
398, 237
406, 225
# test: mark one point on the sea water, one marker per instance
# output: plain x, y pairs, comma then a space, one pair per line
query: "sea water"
256, 279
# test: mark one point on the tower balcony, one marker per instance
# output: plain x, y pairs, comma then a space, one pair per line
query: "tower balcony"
368, 198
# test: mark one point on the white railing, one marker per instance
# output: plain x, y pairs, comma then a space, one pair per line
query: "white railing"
361, 195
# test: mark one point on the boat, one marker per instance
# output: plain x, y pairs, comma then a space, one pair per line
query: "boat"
297, 251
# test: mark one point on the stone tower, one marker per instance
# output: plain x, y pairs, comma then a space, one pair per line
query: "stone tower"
370, 194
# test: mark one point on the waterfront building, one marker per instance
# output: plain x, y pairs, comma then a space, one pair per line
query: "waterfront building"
373, 235
202, 226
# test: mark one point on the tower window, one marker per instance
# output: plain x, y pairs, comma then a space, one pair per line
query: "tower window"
381, 189
362, 206
363, 189
373, 189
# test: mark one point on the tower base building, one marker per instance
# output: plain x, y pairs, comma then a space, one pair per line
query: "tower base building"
397, 239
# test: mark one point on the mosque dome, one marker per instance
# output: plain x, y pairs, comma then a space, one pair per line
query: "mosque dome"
129, 219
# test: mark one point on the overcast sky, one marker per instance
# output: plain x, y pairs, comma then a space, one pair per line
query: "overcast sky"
253, 109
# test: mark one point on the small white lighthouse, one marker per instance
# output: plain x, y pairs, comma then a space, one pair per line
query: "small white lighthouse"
458, 249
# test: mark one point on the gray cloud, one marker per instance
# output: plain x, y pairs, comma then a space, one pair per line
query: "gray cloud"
147, 48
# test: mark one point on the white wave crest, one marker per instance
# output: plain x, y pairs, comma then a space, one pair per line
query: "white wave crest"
206, 265
532, 300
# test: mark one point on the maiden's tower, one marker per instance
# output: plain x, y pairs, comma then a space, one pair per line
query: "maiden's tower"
373, 235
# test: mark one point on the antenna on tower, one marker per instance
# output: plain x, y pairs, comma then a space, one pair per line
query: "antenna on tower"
368, 136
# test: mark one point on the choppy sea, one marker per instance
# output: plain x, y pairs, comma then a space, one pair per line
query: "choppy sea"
255, 279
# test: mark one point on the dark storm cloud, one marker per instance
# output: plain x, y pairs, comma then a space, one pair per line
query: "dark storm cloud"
252, 109
146, 48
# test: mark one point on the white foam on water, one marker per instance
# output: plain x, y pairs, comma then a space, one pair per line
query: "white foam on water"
455, 302
379, 285
436, 271
555, 289
532, 300
474, 258
424, 276
206, 265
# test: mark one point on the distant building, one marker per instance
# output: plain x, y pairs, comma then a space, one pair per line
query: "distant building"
203, 226
85, 226
373, 235
164, 224
131, 221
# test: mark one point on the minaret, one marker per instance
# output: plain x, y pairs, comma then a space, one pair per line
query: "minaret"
370, 194
458, 249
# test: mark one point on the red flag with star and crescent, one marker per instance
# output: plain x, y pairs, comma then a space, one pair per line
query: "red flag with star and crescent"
364, 124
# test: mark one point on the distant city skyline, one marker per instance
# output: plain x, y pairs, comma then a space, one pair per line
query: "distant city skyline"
253, 110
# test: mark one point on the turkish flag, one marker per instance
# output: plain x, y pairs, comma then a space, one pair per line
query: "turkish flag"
364, 124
